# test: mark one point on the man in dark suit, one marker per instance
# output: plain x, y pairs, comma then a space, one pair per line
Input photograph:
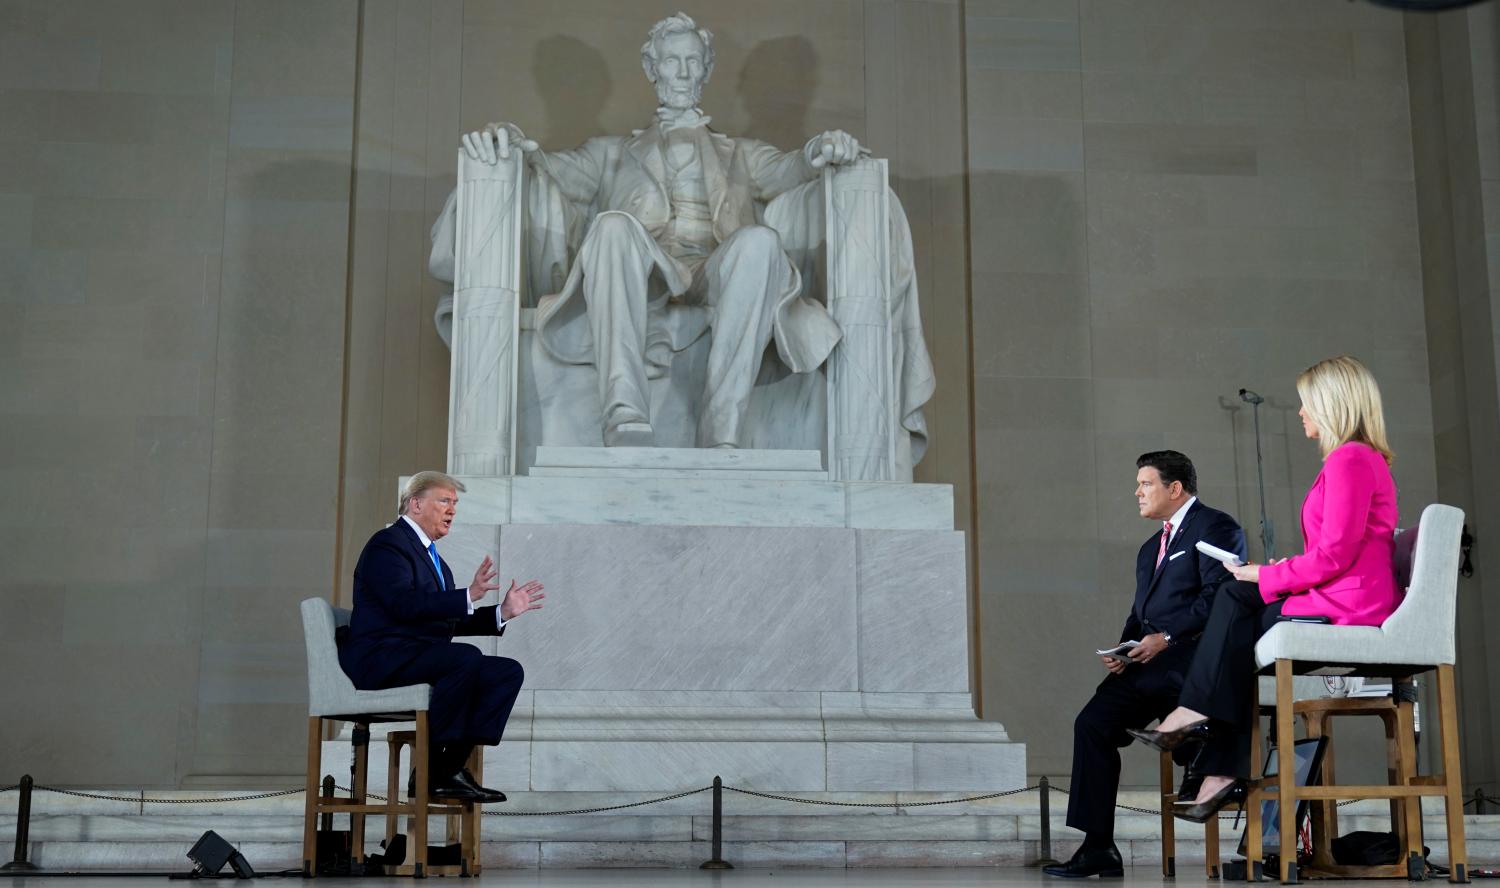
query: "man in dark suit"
407, 610
1174, 590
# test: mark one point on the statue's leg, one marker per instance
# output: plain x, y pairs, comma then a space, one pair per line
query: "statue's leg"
746, 277
617, 263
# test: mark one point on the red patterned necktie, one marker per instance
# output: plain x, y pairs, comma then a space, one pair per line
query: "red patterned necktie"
1166, 534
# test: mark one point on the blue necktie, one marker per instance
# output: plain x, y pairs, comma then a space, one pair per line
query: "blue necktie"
437, 564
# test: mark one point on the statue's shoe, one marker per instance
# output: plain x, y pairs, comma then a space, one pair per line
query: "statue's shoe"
630, 434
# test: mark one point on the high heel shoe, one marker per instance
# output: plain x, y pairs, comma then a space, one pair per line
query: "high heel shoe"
1167, 741
1200, 812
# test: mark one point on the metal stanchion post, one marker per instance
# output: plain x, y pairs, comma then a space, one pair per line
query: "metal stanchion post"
19, 863
717, 861
1044, 850
326, 821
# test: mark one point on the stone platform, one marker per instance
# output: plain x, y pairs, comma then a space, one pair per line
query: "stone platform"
730, 613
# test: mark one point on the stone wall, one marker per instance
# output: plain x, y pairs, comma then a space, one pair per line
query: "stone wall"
1455, 82
174, 207
215, 330
1169, 201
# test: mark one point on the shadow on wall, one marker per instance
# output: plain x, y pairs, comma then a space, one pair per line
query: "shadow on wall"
277, 415
776, 86
573, 79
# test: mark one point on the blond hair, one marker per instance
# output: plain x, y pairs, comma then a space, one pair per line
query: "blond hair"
1341, 397
422, 482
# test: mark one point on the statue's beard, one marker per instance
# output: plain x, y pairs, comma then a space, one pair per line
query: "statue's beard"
681, 100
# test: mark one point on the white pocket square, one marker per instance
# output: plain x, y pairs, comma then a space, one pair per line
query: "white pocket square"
1176, 555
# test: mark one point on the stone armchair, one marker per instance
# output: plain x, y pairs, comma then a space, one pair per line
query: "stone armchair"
847, 236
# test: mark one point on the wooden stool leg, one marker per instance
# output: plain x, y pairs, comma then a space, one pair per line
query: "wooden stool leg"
1286, 771
1409, 810
357, 792
419, 757
472, 815
1447, 704
1255, 851
393, 785
310, 807
1168, 825
1211, 846
1325, 817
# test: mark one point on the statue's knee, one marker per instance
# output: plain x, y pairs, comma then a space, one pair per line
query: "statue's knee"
613, 225
757, 238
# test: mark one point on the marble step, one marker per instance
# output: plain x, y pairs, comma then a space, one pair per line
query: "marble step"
753, 499
267, 857
697, 474
627, 459
69, 832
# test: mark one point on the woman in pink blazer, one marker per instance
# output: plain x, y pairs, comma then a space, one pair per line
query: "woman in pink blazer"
1345, 576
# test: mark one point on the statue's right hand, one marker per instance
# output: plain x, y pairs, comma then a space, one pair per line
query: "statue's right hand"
493, 143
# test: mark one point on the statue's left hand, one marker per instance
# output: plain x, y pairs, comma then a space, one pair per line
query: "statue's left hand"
495, 141
833, 147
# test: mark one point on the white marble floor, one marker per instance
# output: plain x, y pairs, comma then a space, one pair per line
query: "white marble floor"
990, 877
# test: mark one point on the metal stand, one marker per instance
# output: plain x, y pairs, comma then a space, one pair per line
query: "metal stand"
1267, 532
19, 863
717, 861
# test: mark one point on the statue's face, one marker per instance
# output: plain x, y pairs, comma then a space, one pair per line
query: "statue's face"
680, 70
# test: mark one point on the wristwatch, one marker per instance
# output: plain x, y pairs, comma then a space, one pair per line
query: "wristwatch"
1167, 637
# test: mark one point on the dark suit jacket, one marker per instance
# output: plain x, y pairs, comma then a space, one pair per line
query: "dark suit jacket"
401, 607
1177, 597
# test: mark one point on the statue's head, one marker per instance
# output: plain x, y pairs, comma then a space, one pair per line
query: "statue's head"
678, 57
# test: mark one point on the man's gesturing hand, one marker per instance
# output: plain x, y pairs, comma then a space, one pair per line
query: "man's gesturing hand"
1149, 647
484, 580
520, 599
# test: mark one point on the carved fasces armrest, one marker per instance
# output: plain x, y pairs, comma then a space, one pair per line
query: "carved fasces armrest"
863, 404
486, 315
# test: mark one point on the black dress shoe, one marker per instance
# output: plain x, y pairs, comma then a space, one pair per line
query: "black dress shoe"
459, 787
455, 789
465, 779
1102, 862
1167, 741
1200, 812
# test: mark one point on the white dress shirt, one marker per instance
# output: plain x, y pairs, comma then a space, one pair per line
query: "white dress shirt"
426, 542
1176, 519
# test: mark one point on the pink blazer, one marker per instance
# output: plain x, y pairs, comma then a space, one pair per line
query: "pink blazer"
1348, 522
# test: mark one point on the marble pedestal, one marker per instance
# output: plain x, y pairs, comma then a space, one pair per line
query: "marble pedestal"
733, 614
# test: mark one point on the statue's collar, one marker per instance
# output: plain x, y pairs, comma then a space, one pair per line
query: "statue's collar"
668, 119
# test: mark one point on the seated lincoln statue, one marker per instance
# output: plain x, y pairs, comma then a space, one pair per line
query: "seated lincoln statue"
623, 228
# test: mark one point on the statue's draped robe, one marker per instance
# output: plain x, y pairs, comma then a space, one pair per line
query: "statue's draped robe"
748, 182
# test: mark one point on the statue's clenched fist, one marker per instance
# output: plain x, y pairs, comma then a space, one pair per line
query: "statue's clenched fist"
833, 147
493, 143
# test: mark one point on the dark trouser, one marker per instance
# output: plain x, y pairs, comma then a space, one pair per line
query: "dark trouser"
1132, 699
472, 695
1221, 683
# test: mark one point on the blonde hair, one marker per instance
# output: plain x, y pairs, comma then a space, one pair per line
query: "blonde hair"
1343, 400
422, 482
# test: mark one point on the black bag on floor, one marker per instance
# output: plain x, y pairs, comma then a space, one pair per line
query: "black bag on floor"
1366, 848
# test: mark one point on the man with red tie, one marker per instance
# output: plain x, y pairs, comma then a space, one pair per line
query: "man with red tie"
407, 610
1174, 590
